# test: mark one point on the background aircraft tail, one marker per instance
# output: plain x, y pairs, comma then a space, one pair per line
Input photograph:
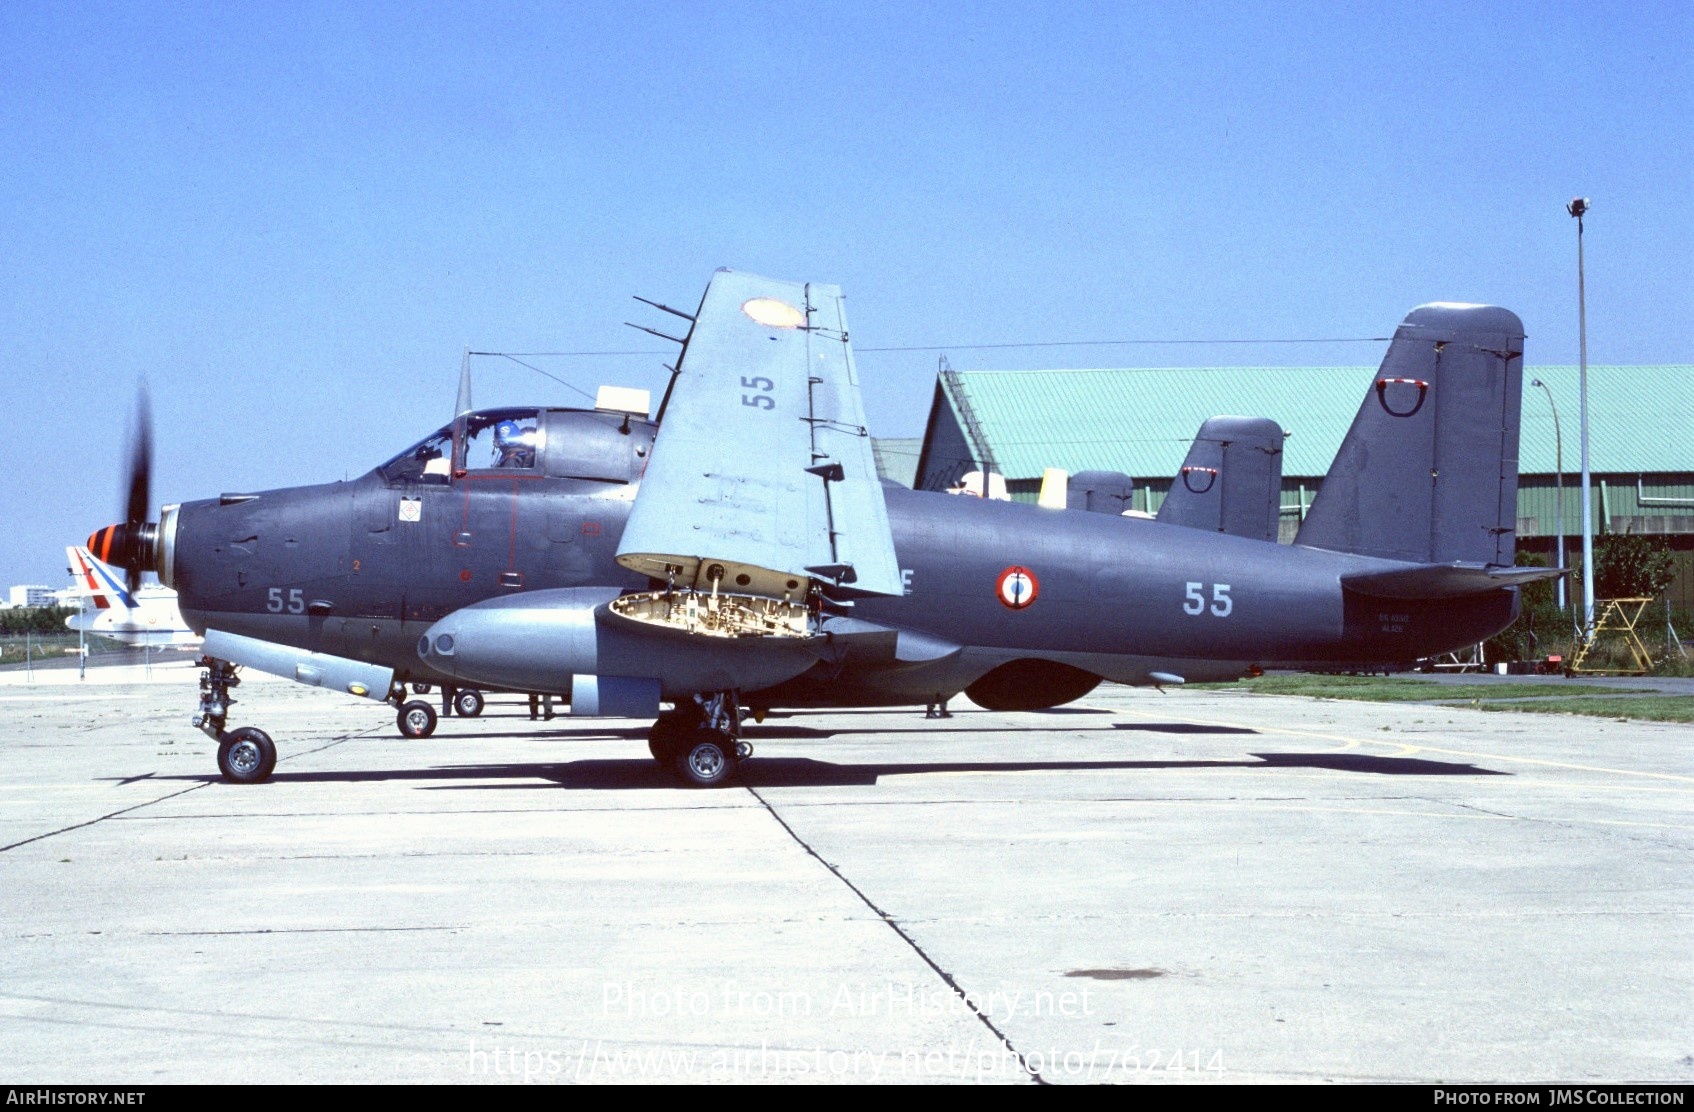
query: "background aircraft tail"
1231, 481
98, 581
1102, 492
146, 617
1429, 470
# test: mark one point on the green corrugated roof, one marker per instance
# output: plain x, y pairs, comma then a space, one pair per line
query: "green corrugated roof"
1141, 421
1638, 418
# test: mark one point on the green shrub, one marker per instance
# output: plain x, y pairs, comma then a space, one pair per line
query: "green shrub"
1630, 565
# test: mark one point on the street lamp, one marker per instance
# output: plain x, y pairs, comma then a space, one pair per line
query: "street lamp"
1559, 485
1578, 207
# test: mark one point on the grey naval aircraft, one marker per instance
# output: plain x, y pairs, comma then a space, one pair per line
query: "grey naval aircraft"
738, 553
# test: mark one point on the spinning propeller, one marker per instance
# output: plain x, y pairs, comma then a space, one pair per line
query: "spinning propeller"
131, 545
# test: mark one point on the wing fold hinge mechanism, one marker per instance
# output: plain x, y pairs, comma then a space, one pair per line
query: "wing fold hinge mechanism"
724, 599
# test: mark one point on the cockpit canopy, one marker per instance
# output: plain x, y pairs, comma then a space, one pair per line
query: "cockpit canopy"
560, 443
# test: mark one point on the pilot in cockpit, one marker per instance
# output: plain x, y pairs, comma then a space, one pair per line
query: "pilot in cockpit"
514, 445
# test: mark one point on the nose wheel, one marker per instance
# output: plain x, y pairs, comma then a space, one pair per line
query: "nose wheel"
246, 756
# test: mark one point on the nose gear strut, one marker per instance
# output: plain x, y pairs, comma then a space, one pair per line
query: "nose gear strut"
245, 756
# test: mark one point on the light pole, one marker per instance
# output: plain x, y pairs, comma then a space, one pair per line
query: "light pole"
1559, 485
1577, 208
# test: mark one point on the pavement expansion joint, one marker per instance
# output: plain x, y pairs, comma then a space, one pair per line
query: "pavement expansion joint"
1601, 826
299, 930
102, 818
894, 925
203, 783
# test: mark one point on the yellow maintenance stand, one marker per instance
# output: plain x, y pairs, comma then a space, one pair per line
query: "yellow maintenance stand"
1617, 618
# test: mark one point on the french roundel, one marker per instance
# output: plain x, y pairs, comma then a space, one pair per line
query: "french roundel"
1017, 587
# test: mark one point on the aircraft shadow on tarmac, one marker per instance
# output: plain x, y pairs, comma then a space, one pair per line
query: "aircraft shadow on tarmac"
800, 772
767, 732
1181, 728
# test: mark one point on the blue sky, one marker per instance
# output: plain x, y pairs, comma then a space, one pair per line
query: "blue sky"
291, 222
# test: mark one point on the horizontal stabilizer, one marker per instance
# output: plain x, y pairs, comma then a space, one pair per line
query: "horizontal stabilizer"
1101, 492
1443, 580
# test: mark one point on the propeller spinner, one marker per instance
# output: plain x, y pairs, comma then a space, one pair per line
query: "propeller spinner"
132, 545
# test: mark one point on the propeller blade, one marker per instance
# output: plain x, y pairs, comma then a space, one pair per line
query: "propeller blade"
139, 480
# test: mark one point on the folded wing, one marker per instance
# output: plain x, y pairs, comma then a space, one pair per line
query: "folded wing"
761, 484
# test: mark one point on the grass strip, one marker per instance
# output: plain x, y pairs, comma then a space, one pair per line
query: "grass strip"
1640, 708
1642, 704
1381, 690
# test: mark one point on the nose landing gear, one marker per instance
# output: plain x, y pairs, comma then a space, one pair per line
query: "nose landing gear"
245, 756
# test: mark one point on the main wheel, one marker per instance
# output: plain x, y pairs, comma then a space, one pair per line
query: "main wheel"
666, 738
421, 689
665, 742
468, 702
707, 759
246, 756
416, 719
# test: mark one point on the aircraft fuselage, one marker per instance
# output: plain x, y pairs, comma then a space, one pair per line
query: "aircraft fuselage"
362, 569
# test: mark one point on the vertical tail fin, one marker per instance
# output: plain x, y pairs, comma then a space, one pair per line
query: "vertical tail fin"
1102, 492
98, 581
1429, 470
1231, 481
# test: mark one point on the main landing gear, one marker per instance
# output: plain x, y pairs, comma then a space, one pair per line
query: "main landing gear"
416, 718
245, 756
700, 740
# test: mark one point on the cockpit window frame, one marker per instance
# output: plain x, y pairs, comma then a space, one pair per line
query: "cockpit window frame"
454, 441
469, 429
398, 471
